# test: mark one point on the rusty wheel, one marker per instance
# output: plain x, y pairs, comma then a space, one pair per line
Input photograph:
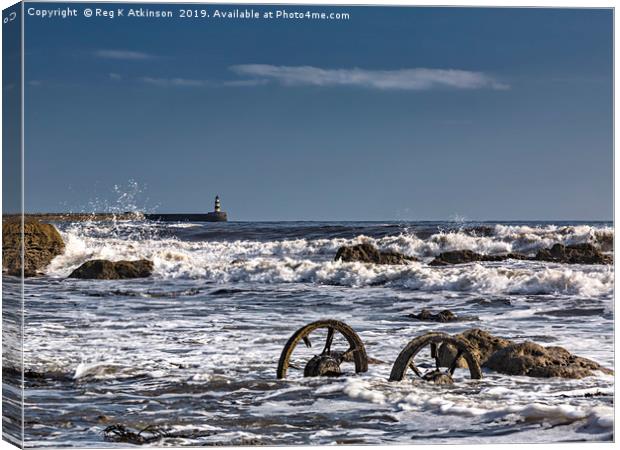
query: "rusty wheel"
406, 359
328, 362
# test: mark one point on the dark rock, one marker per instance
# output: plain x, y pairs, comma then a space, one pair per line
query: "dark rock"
483, 343
531, 359
443, 316
566, 254
492, 302
101, 269
467, 256
482, 230
574, 254
42, 243
367, 253
604, 240
526, 358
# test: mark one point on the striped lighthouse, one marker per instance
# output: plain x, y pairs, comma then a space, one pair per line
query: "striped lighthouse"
217, 215
218, 206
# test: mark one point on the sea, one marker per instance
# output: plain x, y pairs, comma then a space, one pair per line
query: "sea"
189, 355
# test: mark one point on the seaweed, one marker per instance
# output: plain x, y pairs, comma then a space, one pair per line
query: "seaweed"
121, 434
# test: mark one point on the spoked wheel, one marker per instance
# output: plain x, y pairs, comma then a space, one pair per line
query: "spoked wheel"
328, 362
406, 359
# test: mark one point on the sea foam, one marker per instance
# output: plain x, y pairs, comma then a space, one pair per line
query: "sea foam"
311, 261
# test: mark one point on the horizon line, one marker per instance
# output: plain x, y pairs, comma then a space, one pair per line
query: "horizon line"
128, 213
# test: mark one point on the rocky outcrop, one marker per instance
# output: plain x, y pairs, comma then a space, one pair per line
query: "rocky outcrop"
526, 358
484, 344
604, 240
102, 269
531, 359
42, 243
482, 230
426, 315
467, 256
566, 254
574, 254
368, 253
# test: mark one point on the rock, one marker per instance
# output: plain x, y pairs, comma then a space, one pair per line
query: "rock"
467, 256
566, 254
531, 359
367, 253
443, 316
101, 269
482, 230
604, 240
526, 358
574, 254
483, 343
42, 243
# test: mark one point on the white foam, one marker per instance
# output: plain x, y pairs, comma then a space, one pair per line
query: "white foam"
124, 240
358, 389
98, 369
498, 406
302, 261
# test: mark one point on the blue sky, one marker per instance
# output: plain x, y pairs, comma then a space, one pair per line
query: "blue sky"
395, 114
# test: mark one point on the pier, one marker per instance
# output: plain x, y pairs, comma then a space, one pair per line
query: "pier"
217, 215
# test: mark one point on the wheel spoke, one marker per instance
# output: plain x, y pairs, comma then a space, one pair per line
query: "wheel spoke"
442, 375
415, 370
435, 355
306, 340
357, 351
455, 362
328, 341
347, 355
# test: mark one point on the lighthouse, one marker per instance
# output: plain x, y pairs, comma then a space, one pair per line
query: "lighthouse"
218, 205
217, 215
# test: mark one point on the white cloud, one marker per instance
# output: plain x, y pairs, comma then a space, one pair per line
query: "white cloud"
245, 83
180, 82
400, 79
123, 54
115, 76
188, 82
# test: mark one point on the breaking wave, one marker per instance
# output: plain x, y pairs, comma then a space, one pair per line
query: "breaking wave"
303, 260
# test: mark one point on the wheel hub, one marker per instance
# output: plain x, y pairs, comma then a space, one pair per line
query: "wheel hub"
438, 377
322, 366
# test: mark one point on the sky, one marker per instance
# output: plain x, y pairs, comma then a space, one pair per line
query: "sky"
399, 113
